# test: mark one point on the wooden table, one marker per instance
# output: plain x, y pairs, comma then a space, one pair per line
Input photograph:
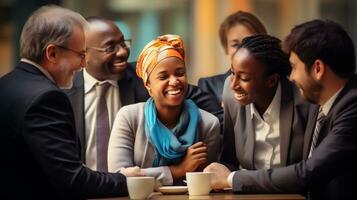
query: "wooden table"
159, 196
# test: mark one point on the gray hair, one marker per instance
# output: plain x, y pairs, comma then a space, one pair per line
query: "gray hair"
49, 24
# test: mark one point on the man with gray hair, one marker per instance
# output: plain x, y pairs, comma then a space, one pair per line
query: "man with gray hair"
38, 143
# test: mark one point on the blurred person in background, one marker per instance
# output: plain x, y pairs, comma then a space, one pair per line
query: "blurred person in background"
167, 135
231, 33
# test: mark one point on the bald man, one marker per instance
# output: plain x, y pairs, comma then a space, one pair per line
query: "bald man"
106, 62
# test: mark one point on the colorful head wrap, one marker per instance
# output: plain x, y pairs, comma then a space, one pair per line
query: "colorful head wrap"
157, 50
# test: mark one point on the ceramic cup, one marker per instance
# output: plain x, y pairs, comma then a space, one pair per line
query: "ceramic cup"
199, 183
140, 187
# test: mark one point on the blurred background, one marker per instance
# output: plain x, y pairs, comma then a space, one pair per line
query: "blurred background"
197, 21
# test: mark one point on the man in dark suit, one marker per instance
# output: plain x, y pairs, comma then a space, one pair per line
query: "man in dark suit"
107, 56
38, 143
322, 56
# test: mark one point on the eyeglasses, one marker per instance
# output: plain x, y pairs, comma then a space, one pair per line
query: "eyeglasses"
80, 54
113, 48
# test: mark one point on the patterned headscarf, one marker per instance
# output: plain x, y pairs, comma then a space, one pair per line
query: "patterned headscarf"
157, 50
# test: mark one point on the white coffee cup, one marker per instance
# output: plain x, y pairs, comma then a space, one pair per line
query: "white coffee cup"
140, 187
199, 183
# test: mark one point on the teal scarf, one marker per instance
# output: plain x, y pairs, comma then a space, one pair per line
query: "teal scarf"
171, 145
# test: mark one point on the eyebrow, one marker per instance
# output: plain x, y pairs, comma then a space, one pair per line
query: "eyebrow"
162, 72
240, 72
234, 40
111, 41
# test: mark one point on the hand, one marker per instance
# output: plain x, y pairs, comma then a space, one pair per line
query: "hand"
196, 156
132, 171
221, 173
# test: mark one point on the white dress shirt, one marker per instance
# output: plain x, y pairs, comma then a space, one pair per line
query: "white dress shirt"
267, 134
90, 110
325, 109
327, 106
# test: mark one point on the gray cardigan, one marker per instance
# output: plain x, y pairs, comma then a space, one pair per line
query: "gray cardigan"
128, 145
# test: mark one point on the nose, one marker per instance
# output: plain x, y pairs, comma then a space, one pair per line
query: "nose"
291, 78
173, 80
122, 51
234, 82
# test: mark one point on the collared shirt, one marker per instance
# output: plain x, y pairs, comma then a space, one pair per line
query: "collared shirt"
267, 134
90, 110
43, 70
327, 106
325, 109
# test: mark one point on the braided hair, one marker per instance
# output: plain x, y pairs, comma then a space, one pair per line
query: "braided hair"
268, 51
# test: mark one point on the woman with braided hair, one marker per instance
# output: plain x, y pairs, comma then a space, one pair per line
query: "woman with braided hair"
166, 136
264, 115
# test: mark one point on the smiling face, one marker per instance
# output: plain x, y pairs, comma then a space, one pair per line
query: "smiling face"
249, 82
167, 83
103, 65
309, 88
68, 61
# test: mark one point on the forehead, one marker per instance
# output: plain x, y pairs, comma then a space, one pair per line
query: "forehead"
243, 61
294, 59
78, 39
169, 64
101, 30
238, 32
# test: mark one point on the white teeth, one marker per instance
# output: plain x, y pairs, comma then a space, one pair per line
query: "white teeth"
173, 92
241, 94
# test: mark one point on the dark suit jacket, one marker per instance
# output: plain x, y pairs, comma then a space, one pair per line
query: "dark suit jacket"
239, 134
330, 173
214, 84
132, 90
38, 144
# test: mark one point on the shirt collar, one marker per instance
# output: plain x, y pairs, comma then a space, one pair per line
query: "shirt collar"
273, 109
39, 67
327, 106
90, 81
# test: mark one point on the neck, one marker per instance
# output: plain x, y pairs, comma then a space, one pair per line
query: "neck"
102, 77
169, 116
264, 102
331, 84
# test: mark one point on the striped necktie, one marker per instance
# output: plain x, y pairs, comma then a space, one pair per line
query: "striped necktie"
321, 118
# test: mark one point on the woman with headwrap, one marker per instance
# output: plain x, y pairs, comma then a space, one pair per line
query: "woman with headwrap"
167, 135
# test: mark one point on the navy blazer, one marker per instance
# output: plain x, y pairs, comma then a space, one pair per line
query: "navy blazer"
39, 147
132, 90
330, 173
239, 134
214, 84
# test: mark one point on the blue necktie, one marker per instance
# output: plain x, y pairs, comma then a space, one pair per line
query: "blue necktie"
102, 128
321, 118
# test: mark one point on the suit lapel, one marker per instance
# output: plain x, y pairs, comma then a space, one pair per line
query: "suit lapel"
285, 121
248, 130
76, 95
126, 90
314, 110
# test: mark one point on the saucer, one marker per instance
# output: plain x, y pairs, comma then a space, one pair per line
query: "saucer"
173, 189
